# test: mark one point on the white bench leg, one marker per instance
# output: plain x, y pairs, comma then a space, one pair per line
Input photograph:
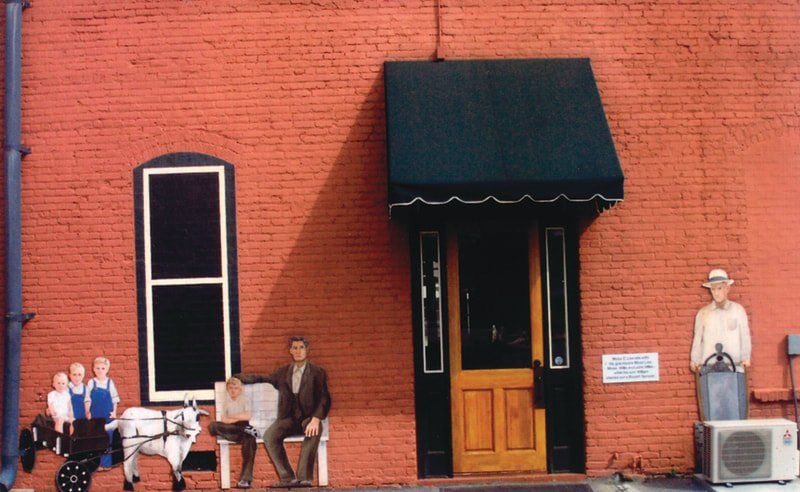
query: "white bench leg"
322, 464
225, 466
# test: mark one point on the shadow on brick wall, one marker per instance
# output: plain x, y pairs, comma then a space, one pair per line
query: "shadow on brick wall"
335, 269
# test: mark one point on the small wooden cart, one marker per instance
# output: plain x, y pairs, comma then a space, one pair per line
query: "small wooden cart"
82, 449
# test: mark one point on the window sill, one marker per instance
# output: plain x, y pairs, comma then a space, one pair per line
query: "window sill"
770, 395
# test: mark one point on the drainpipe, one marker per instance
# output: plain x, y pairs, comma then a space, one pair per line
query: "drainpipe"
12, 156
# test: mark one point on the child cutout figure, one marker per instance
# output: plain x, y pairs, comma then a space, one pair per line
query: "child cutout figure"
101, 400
77, 390
235, 427
59, 405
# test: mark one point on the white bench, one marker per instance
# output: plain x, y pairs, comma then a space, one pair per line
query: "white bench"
263, 398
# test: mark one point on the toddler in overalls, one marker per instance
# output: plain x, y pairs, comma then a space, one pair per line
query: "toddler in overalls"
101, 400
77, 390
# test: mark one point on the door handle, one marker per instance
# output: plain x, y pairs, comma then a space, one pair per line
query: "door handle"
538, 384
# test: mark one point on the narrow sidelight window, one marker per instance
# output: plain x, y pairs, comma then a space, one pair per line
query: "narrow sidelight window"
431, 277
557, 316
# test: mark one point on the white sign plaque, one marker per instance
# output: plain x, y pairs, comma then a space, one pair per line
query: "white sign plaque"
630, 368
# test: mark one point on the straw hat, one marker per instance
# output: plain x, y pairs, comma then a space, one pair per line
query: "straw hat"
716, 276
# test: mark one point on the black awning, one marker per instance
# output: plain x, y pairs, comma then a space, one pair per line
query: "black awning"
498, 131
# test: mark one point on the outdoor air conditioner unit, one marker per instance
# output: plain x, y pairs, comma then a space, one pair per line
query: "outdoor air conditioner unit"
757, 450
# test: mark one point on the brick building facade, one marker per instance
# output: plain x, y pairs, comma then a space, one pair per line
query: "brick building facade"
702, 99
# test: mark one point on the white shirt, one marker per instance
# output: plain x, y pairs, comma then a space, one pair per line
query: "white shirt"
233, 407
297, 376
726, 325
61, 403
77, 390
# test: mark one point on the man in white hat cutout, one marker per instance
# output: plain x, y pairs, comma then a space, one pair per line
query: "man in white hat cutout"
723, 321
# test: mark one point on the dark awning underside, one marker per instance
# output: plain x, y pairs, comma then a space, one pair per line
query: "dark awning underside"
498, 131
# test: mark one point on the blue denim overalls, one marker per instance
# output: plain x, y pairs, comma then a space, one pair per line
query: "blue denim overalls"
78, 408
101, 407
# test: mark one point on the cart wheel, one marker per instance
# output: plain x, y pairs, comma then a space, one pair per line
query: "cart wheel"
73, 477
27, 450
89, 459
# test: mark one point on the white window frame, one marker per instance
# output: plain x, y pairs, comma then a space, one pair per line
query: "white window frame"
178, 395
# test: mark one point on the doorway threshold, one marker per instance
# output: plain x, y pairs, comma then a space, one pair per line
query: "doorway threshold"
502, 479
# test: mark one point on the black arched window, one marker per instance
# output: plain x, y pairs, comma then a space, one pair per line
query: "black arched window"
186, 275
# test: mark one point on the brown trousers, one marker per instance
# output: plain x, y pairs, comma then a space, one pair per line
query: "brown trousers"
235, 433
273, 440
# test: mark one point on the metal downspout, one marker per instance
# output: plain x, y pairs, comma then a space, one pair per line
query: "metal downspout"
12, 156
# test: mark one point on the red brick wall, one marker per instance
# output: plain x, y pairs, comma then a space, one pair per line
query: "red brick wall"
703, 107
702, 99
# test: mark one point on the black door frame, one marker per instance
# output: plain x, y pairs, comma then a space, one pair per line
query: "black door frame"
566, 450
431, 389
566, 436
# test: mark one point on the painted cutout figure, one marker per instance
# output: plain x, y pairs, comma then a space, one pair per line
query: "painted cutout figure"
169, 433
59, 405
77, 390
235, 427
722, 321
101, 400
304, 402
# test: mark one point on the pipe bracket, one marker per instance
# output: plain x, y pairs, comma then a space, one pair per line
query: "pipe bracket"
22, 149
25, 3
21, 317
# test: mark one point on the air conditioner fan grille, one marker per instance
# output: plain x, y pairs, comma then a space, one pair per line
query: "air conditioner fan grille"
745, 454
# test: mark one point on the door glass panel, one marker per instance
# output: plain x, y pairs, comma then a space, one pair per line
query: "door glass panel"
557, 319
495, 300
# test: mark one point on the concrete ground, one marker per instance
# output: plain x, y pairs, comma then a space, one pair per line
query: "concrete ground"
687, 484
609, 484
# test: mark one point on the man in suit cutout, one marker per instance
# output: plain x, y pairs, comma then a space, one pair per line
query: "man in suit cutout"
303, 403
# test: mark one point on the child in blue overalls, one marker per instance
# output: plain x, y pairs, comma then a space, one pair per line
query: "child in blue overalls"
77, 390
101, 400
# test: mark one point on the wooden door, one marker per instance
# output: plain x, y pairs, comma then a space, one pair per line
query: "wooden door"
496, 424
